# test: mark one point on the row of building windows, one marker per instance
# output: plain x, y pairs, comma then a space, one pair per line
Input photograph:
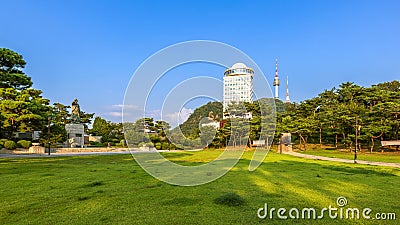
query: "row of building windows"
240, 70
235, 98
240, 79
228, 87
245, 90
244, 94
236, 84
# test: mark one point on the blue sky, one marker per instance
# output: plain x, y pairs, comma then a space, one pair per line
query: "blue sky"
90, 49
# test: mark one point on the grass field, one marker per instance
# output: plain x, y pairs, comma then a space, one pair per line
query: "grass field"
115, 190
392, 157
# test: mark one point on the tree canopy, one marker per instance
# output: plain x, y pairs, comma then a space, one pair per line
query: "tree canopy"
330, 117
11, 70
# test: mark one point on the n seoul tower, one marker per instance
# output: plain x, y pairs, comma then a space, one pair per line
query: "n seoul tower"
276, 80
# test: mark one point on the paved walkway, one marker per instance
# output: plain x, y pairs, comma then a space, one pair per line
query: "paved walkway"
397, 165
78, 154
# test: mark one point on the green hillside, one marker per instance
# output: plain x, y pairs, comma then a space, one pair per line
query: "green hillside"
213, 111
190, 128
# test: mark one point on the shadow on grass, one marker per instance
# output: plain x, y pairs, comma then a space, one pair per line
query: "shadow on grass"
352, 170
95, 184
176, 155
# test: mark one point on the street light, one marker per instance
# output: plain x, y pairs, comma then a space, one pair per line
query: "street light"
48, 134
317, 110
358, 128
355, 152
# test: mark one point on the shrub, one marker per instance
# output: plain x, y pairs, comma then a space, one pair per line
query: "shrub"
165, 146
145, 144
10, 145
24, 143
122, 143
229, 199
96, 144
2, 141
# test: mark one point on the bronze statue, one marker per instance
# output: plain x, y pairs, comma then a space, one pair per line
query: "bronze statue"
76, 111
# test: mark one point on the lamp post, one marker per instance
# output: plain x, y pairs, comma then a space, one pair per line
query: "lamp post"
48, 135
317, 110
355, 152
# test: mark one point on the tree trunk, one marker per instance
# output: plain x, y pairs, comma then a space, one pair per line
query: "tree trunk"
320, 136
304, 141
336, 141
300, 141
372, 144
344, 138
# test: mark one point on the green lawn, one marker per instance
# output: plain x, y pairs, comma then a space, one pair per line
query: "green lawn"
392, 157
115, 190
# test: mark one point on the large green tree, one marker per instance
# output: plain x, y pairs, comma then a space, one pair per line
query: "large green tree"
22, 111
11, 70
109, 131
22, 108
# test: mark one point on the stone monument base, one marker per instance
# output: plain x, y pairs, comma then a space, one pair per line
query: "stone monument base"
76, 134
37, 149
285, 148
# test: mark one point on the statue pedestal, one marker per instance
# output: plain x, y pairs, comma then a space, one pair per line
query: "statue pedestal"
286, 143
75, 135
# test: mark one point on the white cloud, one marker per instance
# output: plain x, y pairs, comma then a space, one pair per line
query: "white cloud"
131, 107
131, 112
115, 114
176, 118
173, 118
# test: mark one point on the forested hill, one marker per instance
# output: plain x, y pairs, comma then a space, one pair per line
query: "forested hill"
191, 125
213, 110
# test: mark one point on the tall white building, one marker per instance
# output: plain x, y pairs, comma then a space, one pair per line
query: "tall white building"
238, 84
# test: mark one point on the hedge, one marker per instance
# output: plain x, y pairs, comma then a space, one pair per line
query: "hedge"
10, 145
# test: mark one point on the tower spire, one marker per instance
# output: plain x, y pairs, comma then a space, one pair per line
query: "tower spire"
287, 90
276, 80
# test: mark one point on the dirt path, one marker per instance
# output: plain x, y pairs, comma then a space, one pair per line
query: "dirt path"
397, 165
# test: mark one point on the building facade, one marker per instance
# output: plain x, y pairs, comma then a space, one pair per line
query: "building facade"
238, 85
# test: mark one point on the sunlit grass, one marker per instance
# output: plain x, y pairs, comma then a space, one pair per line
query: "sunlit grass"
392, 157
115, 190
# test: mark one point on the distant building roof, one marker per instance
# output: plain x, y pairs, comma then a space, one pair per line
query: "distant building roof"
238, 65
